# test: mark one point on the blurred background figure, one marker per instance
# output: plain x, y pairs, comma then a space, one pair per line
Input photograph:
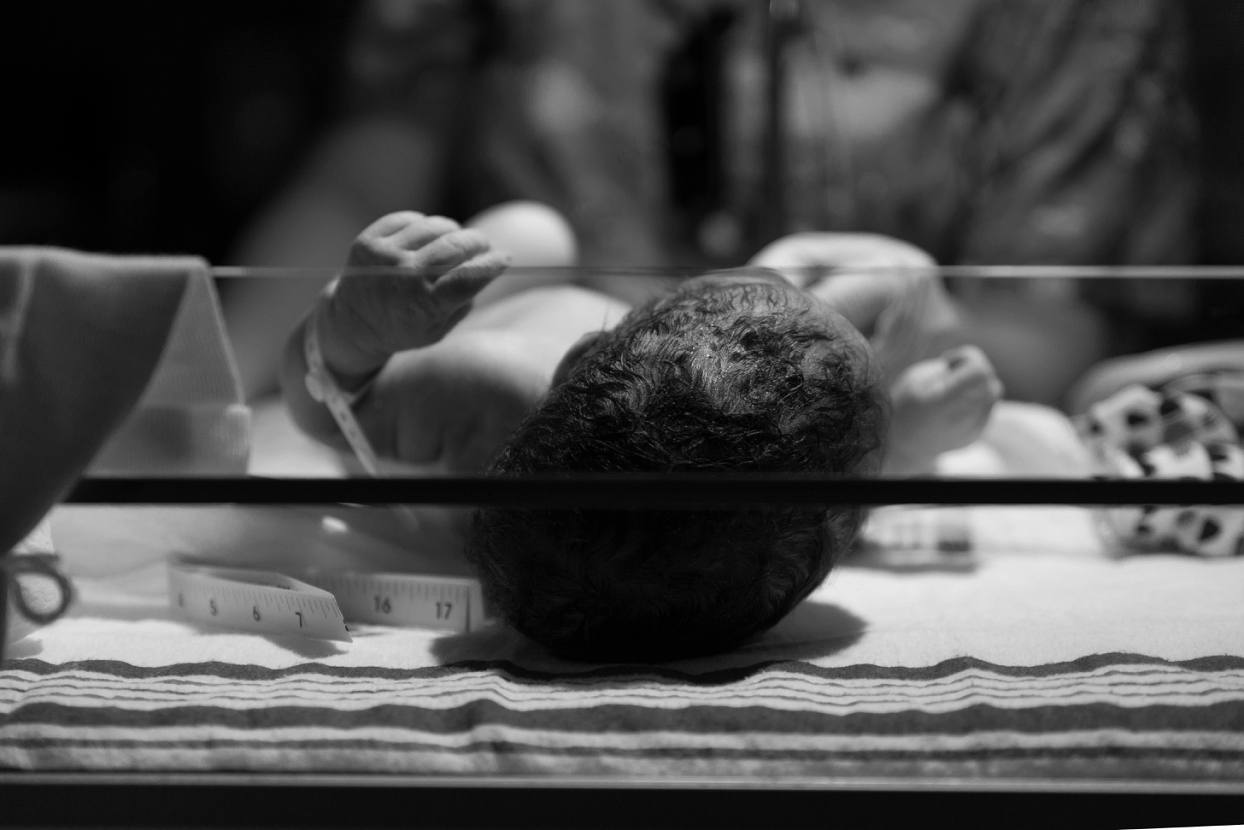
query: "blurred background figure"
693, 133
666, 132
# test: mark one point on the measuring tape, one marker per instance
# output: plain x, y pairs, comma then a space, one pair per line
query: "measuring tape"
444, 603
259, 601
319, 603
323, 388
918, 538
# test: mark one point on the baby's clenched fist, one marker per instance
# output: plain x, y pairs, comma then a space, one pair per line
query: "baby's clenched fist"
409, 279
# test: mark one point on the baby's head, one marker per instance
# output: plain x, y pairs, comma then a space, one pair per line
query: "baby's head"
732, 374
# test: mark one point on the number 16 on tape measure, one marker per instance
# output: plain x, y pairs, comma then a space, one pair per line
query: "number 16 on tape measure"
444, 603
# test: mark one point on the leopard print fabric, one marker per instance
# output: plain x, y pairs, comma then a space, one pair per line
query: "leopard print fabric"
1188, 428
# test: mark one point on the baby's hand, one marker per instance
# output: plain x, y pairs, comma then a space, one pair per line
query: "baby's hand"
370, 316
939, 405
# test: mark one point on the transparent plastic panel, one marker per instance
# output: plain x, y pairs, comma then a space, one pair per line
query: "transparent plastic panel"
1004, 496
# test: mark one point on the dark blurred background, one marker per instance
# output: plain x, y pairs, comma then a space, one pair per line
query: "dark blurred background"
1216, 29
137, 126
163, 127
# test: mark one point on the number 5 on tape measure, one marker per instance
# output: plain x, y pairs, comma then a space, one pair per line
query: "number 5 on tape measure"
258, 601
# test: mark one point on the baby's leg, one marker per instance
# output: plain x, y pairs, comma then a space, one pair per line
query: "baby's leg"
544, 254
539, 242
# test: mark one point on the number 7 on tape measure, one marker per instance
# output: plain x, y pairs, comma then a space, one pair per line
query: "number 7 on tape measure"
258, 601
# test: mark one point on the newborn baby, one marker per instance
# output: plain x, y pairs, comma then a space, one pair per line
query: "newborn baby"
734, 372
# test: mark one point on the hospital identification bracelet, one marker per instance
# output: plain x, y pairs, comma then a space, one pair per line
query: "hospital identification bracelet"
322, 387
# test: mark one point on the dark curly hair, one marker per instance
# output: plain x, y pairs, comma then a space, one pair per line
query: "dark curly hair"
739, 378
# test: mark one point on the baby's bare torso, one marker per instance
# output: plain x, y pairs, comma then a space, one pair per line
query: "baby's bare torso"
450, 406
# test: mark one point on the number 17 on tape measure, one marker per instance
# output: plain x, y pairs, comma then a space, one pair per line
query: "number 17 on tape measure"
444, 603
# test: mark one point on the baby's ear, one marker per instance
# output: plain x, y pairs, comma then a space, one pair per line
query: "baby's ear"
576, 353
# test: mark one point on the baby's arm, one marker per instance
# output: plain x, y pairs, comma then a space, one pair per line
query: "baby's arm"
363, 318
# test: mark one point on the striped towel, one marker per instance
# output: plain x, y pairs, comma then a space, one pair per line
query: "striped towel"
1105, 715
1048, 659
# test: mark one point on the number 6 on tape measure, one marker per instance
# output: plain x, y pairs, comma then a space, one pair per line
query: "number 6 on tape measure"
258, 601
